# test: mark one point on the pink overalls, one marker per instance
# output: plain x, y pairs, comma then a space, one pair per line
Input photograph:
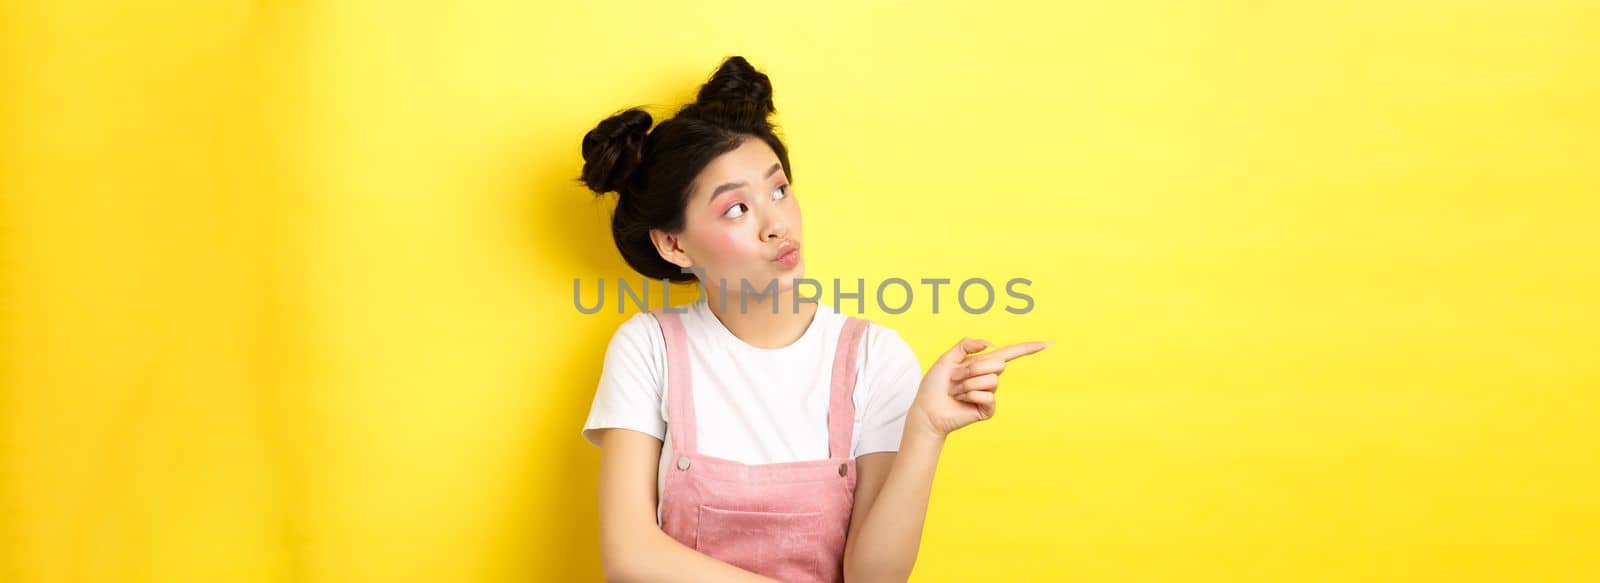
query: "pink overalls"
785, 520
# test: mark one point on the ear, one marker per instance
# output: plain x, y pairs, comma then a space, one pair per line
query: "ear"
670, 248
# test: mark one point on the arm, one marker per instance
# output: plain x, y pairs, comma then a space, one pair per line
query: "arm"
893, 488
632, 546
890, 505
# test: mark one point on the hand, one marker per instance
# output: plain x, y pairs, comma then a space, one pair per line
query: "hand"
959, 389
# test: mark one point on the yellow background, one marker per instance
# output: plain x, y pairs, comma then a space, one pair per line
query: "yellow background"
286, 286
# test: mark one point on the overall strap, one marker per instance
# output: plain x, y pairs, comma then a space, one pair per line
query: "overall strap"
841, 402
680, 392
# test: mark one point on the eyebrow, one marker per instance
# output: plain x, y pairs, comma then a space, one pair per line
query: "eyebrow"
736, 185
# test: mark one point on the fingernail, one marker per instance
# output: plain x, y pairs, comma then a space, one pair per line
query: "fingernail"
1048, 343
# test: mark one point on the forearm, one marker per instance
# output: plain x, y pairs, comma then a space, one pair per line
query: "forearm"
885, 547
655, 557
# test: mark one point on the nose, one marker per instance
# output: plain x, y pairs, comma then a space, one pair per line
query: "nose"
775, 228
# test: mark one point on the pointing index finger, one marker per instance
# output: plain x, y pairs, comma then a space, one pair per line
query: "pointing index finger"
1017, 350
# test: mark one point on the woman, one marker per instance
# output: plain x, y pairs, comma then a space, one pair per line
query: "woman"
769, 438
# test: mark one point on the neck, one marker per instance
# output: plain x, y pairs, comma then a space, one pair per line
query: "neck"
755, 323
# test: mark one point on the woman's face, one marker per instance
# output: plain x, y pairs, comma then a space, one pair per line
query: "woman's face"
741, 215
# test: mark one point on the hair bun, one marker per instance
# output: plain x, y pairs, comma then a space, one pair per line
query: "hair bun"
737, 80
613, 149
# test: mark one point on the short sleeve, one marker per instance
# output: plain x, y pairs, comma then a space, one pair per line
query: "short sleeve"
631, 380
892, 375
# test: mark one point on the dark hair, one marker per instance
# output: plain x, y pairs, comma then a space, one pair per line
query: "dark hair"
651, 170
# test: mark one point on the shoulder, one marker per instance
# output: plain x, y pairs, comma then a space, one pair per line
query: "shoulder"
631, 381
890, 378
638, 337
639, 324
885, 348
875, 335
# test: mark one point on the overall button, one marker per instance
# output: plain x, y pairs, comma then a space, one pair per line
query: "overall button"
683, 464
841, 469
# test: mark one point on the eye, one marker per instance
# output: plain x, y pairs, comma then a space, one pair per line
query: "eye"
775, 196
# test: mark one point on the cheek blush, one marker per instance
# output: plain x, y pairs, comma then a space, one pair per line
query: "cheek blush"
725, 245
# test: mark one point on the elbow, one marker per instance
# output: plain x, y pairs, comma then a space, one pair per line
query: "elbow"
877, 578
619, 570
613, 571
611, 567
619, 560
854, 577
856, 571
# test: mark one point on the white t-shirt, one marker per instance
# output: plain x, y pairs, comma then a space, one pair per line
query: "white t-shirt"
754, 405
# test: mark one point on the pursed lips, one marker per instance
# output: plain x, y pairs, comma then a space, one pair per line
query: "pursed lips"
784, 250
